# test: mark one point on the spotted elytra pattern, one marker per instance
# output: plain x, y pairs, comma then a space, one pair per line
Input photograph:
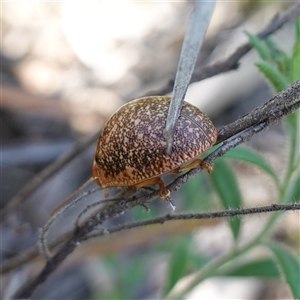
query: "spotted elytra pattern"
132, 148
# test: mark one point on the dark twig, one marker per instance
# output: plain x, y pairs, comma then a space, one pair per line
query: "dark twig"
286, 105
70, 245
268, 111
42, 240
232, 61
197, 216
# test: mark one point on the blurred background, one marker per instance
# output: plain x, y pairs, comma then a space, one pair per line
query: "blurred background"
65, 68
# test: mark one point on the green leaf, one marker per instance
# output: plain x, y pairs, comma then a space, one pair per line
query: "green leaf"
279, 57
197, 261
258, 45
293, 194
289, 266
277, 80
275, 52
247, 155
298, 29
196, 194
292, 123
116, 294
258, 268
211, 150
226, 186
296, 62
178, 263
271, 45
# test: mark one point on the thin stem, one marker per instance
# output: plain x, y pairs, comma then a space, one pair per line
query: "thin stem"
197, 216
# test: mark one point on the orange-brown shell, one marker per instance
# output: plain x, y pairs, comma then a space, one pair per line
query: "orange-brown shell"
132, 146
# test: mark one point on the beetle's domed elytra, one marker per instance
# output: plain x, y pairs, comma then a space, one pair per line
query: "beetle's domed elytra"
131, 150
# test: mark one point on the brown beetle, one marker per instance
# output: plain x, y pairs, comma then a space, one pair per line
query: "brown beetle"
131, 150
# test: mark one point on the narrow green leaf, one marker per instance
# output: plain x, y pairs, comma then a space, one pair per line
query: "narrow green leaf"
258, 45
247, 155
298, 29
296, 62
292, 123
271, 44
277, 80
178, 263
197, 194
279, 57
197, 261
258, 268
211, 150
294, 191
226, 186
191, 191
289, 266
116, 294
274, 51
284, 64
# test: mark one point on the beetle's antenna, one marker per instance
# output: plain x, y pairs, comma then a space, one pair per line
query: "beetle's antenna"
67, 199
90, 206
56, 214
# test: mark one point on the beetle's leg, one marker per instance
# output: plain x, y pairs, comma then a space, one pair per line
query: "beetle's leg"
194, 164
163, 191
